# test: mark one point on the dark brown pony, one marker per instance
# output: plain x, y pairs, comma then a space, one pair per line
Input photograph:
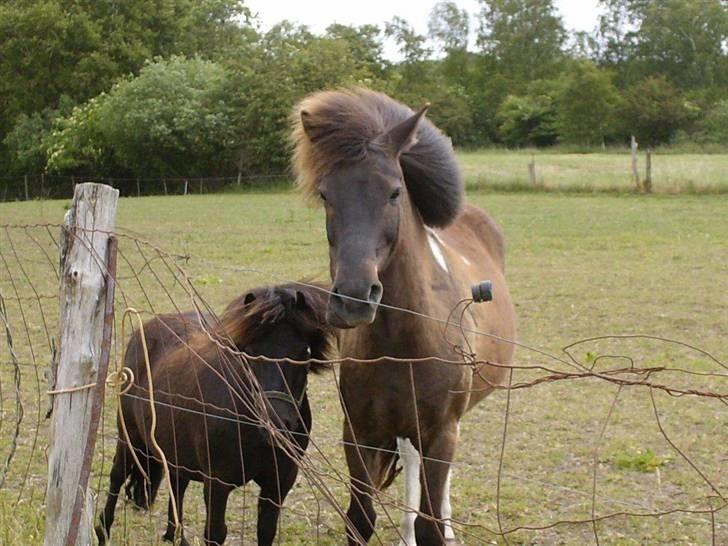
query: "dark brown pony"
222, 419
399, 235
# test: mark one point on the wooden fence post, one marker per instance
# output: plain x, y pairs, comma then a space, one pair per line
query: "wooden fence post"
532, 172
139, 191
635, 172
85, 239
647, 184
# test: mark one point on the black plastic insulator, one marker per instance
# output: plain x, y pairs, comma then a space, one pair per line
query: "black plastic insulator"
483, 291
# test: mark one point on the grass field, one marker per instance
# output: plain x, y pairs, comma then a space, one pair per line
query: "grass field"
578, 266
594, 172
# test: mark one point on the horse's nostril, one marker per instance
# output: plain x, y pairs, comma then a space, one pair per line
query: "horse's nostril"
375, 293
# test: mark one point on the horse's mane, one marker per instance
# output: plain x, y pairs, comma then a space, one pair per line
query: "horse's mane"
243, 320
341, 125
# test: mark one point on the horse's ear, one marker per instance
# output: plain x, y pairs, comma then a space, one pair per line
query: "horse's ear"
249, 298
403, 135
306, 124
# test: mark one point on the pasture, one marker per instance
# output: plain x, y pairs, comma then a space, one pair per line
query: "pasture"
578, 266
609, 171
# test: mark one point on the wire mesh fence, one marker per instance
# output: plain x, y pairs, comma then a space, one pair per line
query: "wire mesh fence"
571, 478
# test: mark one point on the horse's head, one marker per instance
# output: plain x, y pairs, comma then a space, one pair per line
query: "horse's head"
363, 202
370, 160
289, 327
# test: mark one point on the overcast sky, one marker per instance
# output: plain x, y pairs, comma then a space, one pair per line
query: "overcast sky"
318, 14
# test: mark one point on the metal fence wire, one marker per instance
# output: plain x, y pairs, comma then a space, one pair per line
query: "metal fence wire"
583, 491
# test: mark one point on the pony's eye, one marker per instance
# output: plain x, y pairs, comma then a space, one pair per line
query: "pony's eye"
308, 352
395, 195
322, 196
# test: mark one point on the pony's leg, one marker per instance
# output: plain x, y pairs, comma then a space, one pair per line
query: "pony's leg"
119, 472
410, 458
430, 530
273, 491
180, 486
216, 497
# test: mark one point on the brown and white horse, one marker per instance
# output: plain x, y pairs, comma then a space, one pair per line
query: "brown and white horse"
399, 235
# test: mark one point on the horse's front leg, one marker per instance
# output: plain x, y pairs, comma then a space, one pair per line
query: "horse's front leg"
431, 529
274, 487
216, 498
119, 473
179, 485
369, 461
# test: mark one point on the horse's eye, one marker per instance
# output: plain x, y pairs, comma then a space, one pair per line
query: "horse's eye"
395, 195
308, 352
322, 196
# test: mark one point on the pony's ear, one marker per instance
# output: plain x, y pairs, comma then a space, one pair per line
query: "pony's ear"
300, 300
403, 135
249, 298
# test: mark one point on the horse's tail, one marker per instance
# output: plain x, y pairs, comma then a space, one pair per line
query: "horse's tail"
141, 491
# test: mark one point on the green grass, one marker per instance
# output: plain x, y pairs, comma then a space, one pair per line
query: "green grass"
578, 266
594, 172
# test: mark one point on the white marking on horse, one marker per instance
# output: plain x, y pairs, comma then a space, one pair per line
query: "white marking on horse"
411, 461
446, 508
435, 247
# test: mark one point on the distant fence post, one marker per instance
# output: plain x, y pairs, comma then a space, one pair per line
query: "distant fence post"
647, 184
186, 184
532, 171
635, 172
85, 239
139, 191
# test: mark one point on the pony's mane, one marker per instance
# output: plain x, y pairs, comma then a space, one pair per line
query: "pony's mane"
340, 127
241, 322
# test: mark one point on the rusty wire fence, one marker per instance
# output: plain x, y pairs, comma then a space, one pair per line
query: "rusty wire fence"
562, 475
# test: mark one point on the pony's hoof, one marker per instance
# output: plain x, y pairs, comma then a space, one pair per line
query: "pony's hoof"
100, 536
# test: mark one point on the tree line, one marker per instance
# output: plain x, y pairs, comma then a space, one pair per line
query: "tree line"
193, 88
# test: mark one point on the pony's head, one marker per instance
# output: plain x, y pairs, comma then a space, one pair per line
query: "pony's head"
274, 326
369, 160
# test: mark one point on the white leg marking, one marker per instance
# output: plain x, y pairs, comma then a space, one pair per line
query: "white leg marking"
447, 508
411, 463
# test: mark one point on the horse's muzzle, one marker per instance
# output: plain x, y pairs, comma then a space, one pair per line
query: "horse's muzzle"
347, 310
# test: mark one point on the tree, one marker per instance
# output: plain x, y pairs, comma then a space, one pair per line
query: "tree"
587, 104
78, 48
411, 45
524, 37
528, 120
654, 110
364, 42
449, 27
684, 41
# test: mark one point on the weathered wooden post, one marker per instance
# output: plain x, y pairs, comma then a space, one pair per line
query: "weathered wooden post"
532, 171
635, 172
647, 184
84, 310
